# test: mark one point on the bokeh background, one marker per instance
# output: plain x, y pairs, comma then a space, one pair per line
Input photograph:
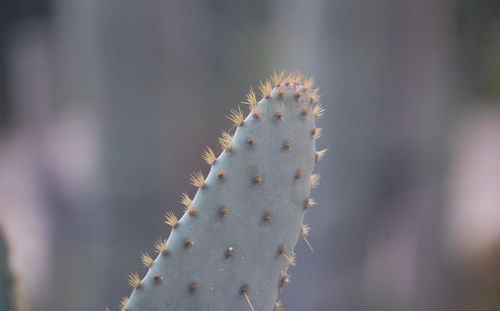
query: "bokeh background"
106, 106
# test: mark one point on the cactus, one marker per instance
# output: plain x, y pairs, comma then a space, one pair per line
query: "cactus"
6, 279
232, 247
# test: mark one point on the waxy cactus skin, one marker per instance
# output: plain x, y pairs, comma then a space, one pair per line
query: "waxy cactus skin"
232, 247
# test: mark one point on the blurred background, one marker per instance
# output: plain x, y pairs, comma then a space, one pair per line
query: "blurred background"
106, 106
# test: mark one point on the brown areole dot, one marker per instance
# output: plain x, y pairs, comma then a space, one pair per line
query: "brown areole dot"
278, 116
257, 180
244, 291
229, 252
188, 243
284, 279
316, 133
286, 146
304, 113
194, 287
192, 211
251, 142
309, 202
223, 211
299, 175
157, 278
221, 175
283, 249
267, 217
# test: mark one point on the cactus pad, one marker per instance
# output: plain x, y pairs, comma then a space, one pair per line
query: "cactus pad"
232, 247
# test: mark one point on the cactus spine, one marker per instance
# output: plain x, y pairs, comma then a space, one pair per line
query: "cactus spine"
232, 247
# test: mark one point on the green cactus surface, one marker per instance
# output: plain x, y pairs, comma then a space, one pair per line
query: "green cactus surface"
232, 248
6, 279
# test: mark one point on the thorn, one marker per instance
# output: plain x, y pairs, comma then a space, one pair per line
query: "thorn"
245, 290
309, 202
186, 200
277, 78
188, 205
283, 251
171, 220
285, 147
308, 82
188, 243
198, 180
194, 287
257, 180
237, 117
304, 232
229, 252
295, 77
278, 116
147, 261
223, 211
299, 175
134, 280
161, 247
292, 259
297, 95
316, 133
124, 304
226, 141
318, 111
157, 278
320, 155
221, 175
251, 99
278, 306
314, 96
315, 178
265, 89
268, 217
209, 156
